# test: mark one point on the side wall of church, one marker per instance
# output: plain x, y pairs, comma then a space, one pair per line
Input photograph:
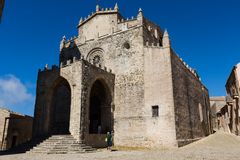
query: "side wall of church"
191, 103
159, 92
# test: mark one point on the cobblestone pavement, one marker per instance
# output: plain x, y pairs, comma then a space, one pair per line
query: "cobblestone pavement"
217, 146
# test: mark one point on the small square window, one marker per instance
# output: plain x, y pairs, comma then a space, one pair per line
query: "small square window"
155, 110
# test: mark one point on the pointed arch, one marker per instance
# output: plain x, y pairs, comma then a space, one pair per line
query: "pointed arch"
100, 114
59, 98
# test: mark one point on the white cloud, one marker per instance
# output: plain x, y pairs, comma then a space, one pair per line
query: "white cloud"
13, 91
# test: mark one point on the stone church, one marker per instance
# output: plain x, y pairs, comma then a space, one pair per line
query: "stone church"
121, 75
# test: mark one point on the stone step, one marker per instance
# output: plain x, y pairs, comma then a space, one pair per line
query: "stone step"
61, 144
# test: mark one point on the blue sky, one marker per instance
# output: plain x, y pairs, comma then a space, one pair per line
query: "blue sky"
205, 33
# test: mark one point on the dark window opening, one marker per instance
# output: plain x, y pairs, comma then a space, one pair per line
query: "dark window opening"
155, 111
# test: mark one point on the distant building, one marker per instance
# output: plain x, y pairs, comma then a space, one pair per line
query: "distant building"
1, 8
233, 91
15, 129
217, 103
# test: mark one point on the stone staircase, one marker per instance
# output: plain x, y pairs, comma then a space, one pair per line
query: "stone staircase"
61, 144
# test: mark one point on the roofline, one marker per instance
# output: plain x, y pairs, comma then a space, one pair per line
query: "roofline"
232, 72
12, 112
98, 13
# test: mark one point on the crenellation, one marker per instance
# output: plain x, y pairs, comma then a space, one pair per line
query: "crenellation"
46, 67
54, 67
81, 21
193, 71
97, 8
116, 7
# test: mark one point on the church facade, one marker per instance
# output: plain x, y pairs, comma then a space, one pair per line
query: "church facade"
122, 76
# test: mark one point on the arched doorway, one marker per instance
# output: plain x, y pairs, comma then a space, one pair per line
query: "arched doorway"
61, 103
100, 115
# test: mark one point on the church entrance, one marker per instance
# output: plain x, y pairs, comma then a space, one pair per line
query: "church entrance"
100, 115
61, 103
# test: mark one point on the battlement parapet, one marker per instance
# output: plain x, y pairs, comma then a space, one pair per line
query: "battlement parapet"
98, 11
82, 58
156, 45
193, 71
53, 68
127, 20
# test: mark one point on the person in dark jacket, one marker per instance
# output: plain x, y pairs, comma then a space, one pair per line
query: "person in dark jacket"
109, 140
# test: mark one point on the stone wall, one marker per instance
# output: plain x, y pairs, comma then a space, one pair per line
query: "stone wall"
21, 127
42, 111
233, 91
3, 126
17, 129
191, 102
159, 91
92, 29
